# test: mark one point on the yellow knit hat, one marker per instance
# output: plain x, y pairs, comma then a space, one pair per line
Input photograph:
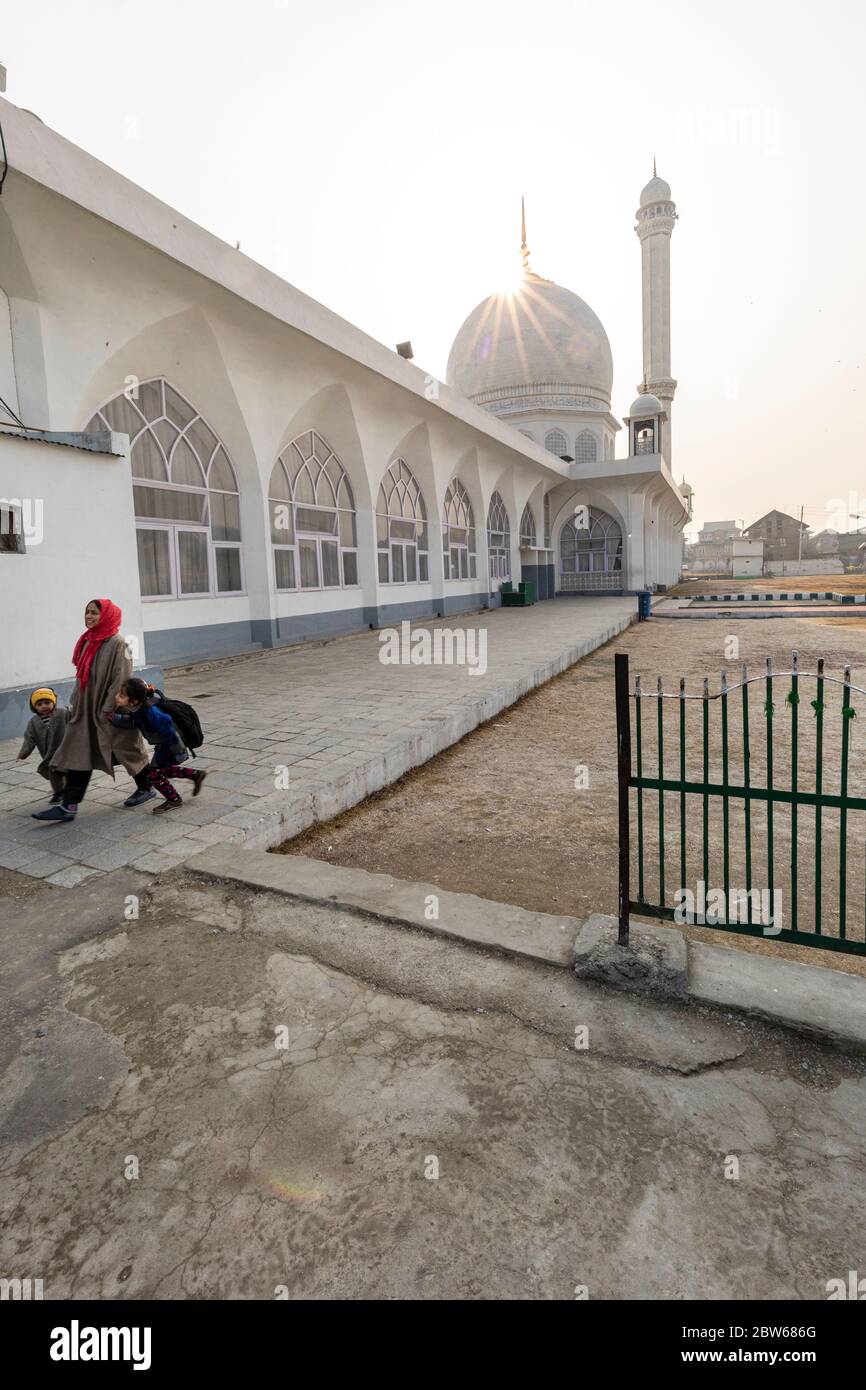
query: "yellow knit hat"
43, 693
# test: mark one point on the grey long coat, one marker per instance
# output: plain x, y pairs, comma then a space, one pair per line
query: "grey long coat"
91, 743
46, 735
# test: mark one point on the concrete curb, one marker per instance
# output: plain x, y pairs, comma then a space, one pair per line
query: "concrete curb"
511, 931
825, 1004
829, 1005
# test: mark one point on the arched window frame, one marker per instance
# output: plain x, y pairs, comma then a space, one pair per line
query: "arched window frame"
185, 494
528, 532
586, 447
595, 550
556, 443
458, 533
498, 539
402, 544
312, 518
645, 437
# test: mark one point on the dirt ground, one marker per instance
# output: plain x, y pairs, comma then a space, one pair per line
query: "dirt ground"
775, 583
499, 814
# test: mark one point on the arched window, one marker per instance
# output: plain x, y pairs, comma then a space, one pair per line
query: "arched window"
498, 539
595, 550
312, 514
458, 533
527, 528
585, 448
187, 506
401, 528
556, 443
645, 437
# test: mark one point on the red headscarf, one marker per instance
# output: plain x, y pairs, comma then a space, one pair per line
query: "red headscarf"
92, 638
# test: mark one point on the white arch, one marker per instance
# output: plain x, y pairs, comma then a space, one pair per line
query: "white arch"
556, 443
528, 528
591, 552
402, 527
185, 493
586, 447
498, 539
312, 517
459, 537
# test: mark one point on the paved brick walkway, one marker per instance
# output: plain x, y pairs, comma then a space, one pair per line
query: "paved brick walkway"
296, 735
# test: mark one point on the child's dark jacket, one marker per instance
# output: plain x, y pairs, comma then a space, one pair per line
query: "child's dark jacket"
158, 728
46, 735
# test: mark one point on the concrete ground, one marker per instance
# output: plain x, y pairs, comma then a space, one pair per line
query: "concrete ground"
208, 1092
501, 815
231, 1096
295, 735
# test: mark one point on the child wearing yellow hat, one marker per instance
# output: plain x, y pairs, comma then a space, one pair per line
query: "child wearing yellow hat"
45, 732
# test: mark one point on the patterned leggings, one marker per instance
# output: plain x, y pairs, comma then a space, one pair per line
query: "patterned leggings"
159, 778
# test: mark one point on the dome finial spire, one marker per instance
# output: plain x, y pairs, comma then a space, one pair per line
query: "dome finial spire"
524, 249
655, 175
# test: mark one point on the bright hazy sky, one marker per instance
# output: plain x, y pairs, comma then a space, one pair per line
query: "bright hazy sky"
374, 155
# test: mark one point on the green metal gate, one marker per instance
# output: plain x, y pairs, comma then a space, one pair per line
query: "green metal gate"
723, 817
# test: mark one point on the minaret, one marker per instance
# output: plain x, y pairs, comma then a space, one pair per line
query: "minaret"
655, 223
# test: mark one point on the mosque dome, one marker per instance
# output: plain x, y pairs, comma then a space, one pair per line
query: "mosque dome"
656, 191
542, 342
646, 404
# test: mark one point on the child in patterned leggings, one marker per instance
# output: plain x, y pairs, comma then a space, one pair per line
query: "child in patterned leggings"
134, 707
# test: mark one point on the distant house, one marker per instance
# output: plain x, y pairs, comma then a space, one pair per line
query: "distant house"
824, 542
717, 532
851, 545
781, 535
848, 545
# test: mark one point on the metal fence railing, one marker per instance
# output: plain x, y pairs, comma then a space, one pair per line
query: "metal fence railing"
759, 830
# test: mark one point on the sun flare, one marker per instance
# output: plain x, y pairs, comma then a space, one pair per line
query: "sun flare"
511, 279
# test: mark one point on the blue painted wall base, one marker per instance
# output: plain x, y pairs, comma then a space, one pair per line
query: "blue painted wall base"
15, 711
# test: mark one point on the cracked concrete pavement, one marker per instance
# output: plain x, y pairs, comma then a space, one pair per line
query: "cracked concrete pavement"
157, 1044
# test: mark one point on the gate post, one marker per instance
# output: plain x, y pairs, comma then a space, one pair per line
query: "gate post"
623, 767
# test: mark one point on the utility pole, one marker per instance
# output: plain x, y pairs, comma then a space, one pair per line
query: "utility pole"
800, 547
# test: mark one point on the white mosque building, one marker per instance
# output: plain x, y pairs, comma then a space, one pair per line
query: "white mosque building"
239, 468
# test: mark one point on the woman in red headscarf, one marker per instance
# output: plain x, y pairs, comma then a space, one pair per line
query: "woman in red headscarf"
102, 662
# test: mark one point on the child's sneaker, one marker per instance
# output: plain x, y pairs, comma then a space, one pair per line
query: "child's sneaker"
138, 797
168, 806
58, 812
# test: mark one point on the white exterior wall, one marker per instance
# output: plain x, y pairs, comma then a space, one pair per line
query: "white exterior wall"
86, 550
538, 426
105, 284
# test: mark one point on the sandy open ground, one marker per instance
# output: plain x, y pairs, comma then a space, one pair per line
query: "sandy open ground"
775, 583
499, 814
